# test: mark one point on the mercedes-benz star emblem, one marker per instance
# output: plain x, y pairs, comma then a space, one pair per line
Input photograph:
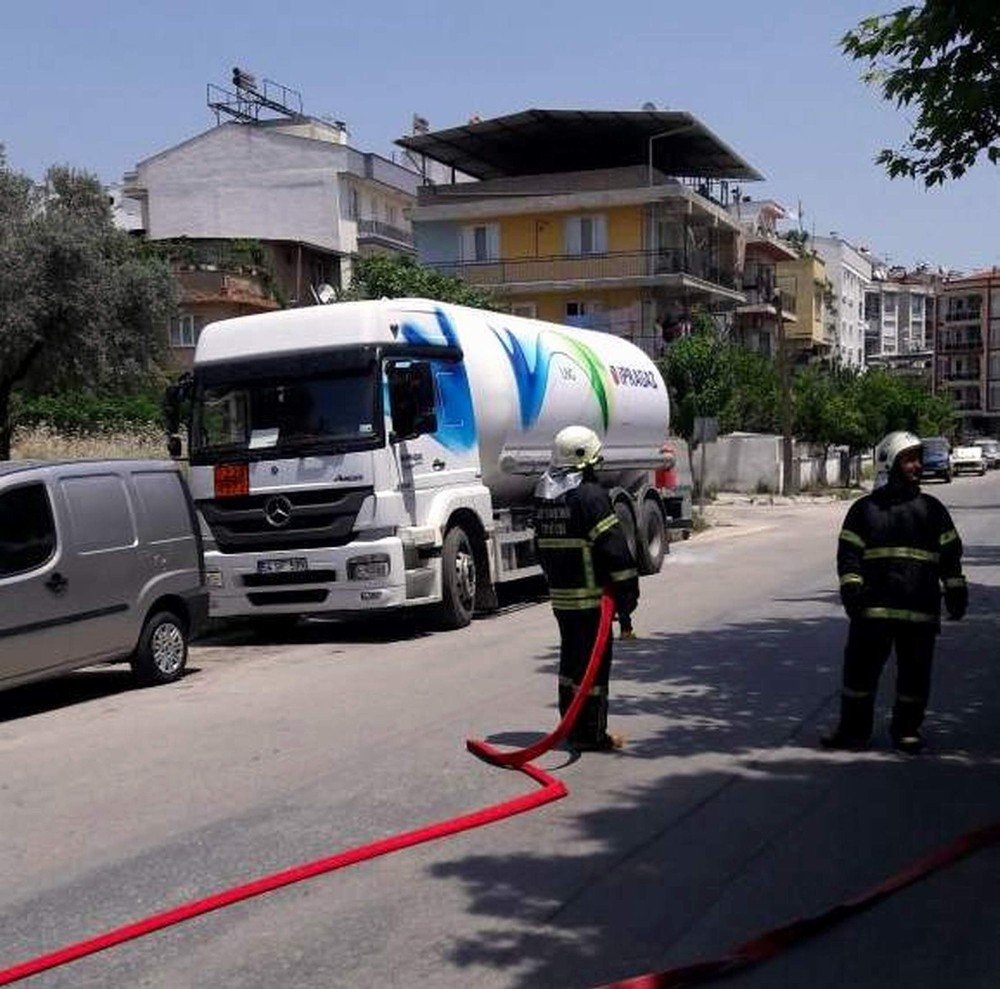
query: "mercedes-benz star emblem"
278, 511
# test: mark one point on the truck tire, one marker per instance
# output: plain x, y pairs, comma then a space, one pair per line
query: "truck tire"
162, 652
652, 537
626, 519
458, 581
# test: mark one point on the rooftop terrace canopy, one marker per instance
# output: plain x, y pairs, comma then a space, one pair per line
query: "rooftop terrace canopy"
537, 142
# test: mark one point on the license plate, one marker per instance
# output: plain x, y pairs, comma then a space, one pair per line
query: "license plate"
287, 565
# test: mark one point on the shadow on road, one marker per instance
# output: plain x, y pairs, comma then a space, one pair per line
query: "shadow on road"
736, 795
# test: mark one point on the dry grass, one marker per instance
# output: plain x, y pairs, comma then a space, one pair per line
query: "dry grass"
42, 443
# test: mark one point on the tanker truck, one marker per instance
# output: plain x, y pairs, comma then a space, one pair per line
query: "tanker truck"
365, 456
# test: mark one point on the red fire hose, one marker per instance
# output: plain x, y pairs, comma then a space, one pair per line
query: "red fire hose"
551, 789
752, 952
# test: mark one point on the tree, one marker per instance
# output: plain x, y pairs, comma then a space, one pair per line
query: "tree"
80, 305
943, 58
394, 277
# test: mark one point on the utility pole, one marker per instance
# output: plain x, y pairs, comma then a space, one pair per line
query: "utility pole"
784, 375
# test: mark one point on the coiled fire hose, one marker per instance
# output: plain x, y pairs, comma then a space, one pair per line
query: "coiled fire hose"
753, 952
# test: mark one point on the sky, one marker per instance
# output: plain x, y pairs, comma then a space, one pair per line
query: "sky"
103, 84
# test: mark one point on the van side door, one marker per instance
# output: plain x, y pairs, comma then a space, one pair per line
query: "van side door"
36, 613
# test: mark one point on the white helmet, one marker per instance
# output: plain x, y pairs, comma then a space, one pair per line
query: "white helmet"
576, 446
892, 446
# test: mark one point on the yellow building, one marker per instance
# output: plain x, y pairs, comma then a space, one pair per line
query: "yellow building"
808, 337
610, 221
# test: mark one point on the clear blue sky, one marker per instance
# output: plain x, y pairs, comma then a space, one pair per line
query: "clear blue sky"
103, 84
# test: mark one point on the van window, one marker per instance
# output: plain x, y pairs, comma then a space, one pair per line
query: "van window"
99, 511
164, 506
27, 532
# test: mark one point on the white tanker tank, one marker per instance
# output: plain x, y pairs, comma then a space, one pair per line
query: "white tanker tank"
528, 379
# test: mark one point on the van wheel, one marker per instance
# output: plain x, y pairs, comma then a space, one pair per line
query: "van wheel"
652, 537
162, 652
458, 581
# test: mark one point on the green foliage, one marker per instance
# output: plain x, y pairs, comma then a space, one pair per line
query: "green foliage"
81, 306
85, 413
708, 376
942, 58
392, 277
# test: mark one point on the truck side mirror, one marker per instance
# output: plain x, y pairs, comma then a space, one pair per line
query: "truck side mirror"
412, 399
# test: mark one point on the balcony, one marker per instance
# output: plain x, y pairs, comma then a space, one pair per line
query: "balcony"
607, 269
948, 346
963, 316
384, 234
760, 299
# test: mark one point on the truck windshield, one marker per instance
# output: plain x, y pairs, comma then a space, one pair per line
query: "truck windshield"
260, 417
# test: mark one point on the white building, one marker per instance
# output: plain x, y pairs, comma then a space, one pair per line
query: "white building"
287, 181
898, 310
850, 274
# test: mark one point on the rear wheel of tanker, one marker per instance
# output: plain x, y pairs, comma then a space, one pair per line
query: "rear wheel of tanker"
652, 537
626, 519
458, 581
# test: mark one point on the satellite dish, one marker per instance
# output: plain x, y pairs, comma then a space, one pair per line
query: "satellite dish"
326, 294
648, 106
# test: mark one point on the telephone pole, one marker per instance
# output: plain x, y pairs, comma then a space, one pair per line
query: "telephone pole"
784, 375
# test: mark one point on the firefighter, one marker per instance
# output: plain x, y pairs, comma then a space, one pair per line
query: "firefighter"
897, 548
583, 550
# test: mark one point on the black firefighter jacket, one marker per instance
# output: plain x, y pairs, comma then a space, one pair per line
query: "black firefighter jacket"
897, 548
581, 545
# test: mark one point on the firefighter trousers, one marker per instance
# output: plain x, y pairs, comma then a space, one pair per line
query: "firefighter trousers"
577, 633
869, 644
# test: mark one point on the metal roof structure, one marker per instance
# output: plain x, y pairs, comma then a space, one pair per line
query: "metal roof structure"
538, 142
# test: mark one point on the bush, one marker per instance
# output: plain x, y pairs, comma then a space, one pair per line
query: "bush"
87, 414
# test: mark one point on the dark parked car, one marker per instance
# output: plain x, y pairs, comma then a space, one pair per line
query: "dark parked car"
936, 451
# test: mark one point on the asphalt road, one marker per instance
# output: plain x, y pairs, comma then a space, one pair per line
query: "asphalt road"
721, 817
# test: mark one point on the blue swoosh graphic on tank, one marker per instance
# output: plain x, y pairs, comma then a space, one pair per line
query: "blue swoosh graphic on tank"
531, 373
456, 416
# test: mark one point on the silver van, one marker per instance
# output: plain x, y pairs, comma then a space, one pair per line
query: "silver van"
100, 561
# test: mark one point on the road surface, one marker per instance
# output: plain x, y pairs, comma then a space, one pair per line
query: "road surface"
721, 818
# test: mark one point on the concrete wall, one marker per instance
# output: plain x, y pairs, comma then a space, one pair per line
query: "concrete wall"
752, 463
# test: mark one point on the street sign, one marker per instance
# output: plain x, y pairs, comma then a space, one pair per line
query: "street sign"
706, 429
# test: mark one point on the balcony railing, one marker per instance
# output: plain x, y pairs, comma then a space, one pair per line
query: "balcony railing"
951, 346
963, 316
587, 267
764, 296
377, 230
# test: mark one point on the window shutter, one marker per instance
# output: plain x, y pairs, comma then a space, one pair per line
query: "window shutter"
573, 241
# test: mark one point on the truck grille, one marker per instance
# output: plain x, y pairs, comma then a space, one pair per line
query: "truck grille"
323, 517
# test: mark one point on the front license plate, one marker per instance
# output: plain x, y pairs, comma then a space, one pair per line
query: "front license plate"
286, 565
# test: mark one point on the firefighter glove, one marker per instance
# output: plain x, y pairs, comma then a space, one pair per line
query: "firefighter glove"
851, 597
956, 601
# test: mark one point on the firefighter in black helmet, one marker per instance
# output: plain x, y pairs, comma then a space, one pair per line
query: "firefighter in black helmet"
582, 550
898, 548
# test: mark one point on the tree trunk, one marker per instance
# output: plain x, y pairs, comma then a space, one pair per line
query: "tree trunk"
6, 429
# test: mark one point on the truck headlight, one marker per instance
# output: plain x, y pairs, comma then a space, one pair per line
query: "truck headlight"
369, 567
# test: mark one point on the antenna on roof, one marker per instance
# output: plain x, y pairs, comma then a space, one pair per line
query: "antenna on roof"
247, 99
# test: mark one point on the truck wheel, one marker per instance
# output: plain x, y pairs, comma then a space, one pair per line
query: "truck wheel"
652, 540
162, 652
626, 519
458, 581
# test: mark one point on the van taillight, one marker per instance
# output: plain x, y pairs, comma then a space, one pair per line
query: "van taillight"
232, 480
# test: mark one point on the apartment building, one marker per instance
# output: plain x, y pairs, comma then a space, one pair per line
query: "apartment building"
810, 337
967, 348
614, 221
899, 318
257, 214
850, 274
769, 299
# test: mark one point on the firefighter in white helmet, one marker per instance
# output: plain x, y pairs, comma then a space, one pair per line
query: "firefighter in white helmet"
583, 551
898, 548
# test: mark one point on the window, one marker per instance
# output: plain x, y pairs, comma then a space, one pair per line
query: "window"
481, 242
889, 302
526, 309
353, 204
994, 397
587, 235
182, 331
27, 532
99, 512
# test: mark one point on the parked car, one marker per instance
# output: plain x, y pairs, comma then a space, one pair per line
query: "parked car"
100, 561
936, 455
968, 460
991, 452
